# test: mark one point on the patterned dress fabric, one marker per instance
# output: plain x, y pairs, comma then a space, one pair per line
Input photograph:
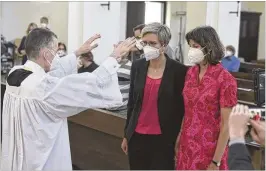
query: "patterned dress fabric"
203, 101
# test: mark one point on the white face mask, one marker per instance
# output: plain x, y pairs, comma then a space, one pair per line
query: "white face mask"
55, 63
229, 53
151, 53
195, 55
138, 45
61, 53
43, 25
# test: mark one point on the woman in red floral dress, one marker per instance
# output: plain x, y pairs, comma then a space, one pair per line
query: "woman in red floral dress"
209, 93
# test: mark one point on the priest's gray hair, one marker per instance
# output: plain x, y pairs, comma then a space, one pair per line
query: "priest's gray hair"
162, 31
37, 39
208, 39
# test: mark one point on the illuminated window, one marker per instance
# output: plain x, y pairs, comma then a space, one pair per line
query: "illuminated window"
154, 12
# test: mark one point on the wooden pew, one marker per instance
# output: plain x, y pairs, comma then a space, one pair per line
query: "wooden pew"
248, 67
95, 138
245, 86
249, 104
245, 94
260, 61
242, 75
243, 83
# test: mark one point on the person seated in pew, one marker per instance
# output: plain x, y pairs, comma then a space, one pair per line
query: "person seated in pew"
239, 157
87, 63
230, 61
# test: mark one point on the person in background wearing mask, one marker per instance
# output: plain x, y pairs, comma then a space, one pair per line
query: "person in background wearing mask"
239, 157
210, 92
21, 48
155, 106
62, 50
44, 92
230, 61
87, 63
44, 22
137, 51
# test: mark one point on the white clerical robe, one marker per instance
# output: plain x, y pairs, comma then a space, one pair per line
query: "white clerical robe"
35, 130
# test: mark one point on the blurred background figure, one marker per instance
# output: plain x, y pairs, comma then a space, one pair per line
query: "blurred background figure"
137, 31
44, 21
21, 48
87, 62
230, 61
3, 47
137, 51
62, 50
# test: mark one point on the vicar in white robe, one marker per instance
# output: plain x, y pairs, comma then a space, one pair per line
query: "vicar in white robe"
41, 94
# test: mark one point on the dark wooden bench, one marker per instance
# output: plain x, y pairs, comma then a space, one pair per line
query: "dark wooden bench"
243, 83
260, 61
245, 92
95, 137
243, 75
248, 67
245, 95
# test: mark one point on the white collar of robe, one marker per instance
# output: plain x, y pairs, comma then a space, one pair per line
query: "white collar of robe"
33, 67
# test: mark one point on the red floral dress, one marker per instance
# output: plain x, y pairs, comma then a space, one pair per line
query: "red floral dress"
203, 101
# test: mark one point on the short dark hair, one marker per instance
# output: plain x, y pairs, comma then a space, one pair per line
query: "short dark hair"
44, 20
88, 55
62, 44
207, 38
139, 27
38, 39
231, 48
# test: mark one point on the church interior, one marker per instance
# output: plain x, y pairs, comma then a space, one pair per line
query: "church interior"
95, 135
